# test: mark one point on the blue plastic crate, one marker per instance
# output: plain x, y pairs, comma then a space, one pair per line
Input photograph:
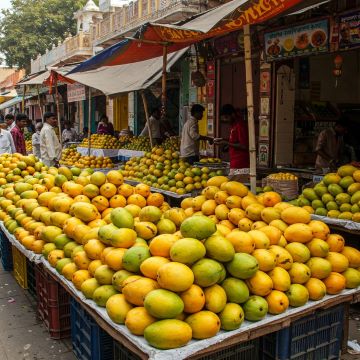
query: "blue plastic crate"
6, 253
317, 336
89, 341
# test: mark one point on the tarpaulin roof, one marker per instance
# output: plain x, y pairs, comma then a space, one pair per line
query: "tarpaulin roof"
37, 79
117, 79
13, 102
150, 39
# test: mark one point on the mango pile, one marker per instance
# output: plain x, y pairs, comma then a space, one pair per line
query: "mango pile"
70, 157
101, 141
140, 143
175, 274
163, 169
28, 146
336, 196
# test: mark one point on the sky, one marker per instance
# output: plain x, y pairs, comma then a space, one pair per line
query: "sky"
4, 4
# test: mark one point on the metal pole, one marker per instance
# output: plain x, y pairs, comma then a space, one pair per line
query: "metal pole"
147, 116
163, 83
89, 123
58, 110
250, 107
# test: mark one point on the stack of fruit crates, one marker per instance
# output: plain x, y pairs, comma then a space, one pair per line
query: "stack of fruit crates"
53, 305
31, 279
317, 336
5, 253
20, 271
89, 341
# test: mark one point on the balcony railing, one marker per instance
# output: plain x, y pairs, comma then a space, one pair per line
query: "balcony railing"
78, 45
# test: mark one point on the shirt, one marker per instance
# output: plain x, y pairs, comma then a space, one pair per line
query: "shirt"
107, 129
6, 143
69, 135
36, 144
50, 148
19, 140
331, 144
190, 138
239, 158
154, 126
11, 126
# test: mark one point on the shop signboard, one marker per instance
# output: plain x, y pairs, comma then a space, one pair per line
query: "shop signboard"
305, 39
349, 32
76, 92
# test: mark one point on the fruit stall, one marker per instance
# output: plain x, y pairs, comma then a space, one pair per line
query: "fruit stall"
227, 271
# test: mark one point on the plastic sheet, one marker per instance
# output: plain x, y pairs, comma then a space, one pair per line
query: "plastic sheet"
346, 224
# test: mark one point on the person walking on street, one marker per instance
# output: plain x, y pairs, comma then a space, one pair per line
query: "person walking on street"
105, 127
6, 141
36, 140
190, 137
238, 142
50, 148
10, 121
17, 133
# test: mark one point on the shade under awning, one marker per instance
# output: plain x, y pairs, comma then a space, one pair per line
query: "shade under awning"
13, 102
118, 79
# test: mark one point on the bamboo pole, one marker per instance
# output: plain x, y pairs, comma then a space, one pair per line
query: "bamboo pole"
40, 105
89, 123
250, 107
58, 109
147, 117
163, 83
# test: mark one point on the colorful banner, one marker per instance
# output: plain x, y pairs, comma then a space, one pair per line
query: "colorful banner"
349, 32
299, 40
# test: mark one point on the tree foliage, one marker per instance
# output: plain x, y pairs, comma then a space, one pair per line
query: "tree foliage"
32, 26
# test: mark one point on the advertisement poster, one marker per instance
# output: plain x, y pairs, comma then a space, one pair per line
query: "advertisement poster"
349, 32
265, 106
265, 78
263, 154
299, 40
264, 128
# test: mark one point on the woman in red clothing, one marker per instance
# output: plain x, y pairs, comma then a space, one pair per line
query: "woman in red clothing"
238, 140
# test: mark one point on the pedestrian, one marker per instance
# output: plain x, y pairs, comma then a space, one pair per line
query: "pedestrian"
6, 141
10, 121
36, 140
105, 127
17, 133
330, 147
69, 133
238, 142
50, 148
154, 121
190, 137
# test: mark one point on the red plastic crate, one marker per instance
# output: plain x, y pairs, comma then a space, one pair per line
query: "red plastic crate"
53, 305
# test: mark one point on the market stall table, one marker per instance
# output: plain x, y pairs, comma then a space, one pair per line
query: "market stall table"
98, 152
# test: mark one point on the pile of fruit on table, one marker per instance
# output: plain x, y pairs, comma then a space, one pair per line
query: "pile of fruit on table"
282, 176
70, 157
164, 169
28, 146
140, 143
175, 274
100, 141
210, 160
336, 196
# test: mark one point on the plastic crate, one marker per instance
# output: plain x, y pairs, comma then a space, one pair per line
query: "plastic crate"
317, 336
248, 350
53, 305
20, 271
31, 279
5, 253
89, 341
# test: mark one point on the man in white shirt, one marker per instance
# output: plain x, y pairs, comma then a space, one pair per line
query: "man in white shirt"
69, 133
10, 121
154, 126
36, 140
6, 141
190, 137
50, 148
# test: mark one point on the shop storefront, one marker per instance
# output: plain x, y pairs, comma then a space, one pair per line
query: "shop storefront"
315, 81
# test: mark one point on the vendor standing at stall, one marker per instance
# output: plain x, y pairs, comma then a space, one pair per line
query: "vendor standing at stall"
154, 121
330, 147
238, 140
190, 137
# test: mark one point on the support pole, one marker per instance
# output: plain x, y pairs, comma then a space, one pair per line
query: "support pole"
40, 105
89, 123
250, 107
23, 100
58, 110
147, 117
163, 83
